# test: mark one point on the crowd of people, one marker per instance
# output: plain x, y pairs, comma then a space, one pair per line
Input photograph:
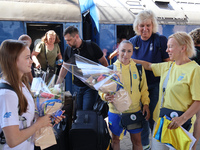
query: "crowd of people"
169, 82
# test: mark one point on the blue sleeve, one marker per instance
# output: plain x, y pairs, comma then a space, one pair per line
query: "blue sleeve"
131, 40
163, 42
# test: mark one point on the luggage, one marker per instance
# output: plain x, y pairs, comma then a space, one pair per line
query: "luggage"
89, 132
101, 107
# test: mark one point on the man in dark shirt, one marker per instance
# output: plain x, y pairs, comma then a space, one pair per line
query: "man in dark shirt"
86, 97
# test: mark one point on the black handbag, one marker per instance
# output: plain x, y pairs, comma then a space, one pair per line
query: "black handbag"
101, 107
38, 72
174, 113
51, 70
131, 121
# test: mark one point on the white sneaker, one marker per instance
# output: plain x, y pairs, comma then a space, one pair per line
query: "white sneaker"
147, 147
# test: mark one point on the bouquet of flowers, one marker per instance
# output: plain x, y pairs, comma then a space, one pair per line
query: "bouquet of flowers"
99, 78
48, 100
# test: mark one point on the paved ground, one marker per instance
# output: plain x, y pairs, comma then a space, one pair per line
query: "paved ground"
125, 144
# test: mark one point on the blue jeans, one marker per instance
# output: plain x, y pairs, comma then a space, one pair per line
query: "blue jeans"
85, 98
153, 95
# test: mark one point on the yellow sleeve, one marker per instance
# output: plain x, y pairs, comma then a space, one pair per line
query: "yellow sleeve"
144, 89
102, 95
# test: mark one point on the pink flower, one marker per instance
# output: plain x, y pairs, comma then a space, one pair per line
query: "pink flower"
101, 77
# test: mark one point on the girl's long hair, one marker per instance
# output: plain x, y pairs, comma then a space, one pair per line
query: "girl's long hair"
9, 53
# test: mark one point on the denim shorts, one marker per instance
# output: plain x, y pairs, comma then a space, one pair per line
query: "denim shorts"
114, 120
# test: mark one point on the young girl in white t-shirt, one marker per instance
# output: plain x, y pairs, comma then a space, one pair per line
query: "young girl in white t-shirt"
15, 62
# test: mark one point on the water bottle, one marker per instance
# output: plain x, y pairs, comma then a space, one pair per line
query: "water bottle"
59, 61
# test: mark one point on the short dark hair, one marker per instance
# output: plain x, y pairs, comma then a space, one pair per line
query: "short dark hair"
71, 30
195, 34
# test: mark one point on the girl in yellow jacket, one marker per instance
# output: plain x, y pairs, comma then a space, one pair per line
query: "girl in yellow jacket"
131, 119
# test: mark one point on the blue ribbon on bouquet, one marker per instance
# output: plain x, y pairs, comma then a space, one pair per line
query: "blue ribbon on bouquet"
42, 110
116, 79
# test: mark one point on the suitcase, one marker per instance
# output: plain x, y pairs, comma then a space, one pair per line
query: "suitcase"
89, 132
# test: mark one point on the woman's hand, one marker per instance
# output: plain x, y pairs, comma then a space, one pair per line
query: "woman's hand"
44, 121
37, 65
146, 109
113, 54
176, 122
109, 97
59, 118
179, 121
59, 62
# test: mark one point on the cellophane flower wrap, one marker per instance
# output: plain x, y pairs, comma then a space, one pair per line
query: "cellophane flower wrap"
99, 78
48, 100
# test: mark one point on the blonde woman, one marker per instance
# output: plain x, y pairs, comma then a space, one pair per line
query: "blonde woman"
49, 47
182, 90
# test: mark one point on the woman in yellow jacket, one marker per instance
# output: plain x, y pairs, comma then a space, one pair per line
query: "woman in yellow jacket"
134, 115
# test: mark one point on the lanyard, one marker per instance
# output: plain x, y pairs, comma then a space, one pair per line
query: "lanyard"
129, 74
165, 85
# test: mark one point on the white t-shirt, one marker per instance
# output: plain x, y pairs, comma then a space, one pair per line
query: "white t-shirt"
9, 114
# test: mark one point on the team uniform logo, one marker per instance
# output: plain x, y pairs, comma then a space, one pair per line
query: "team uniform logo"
173, 114
7, 115
133, 117
134, 76
181, 77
